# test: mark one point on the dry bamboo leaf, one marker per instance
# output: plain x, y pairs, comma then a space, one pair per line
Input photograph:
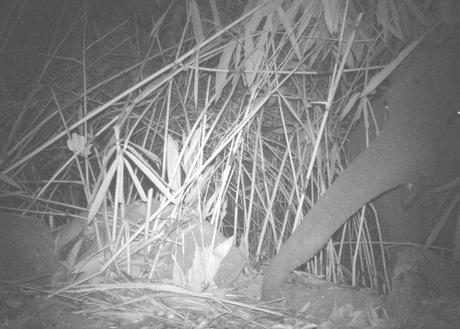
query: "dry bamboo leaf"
158, 24
313, 56
309, 11
383, 17
250, 27
206, 262
331, 15
286, 20
72, 255
222, 250
335, 158
178, 276
453, 183
447, 10
267, 29
215, 13
173, 163
119, 182
418, 14
101, 192
249, 48
191, 150
442, 220
196, 275
294, 8
151, 174
377, 79
89, 267
365, 111
217, 256
147, 153
338, 73
9, 181
350, 104
223, 67
196, 21
356, 51
267, 9
255, 58
194, 192
396, 21
456, 251
68, 232
135, 180
196, 80
210, 203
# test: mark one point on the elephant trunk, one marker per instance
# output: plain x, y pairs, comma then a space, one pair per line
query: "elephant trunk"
365, 179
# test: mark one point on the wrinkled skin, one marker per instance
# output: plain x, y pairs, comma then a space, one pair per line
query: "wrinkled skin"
424, 93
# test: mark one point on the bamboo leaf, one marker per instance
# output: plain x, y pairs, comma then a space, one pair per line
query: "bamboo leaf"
377, 79
331, 15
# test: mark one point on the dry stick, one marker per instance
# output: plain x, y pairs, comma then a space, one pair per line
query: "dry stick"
140, 97
93, 88
12, 26
144, 94
335, 81
42, 73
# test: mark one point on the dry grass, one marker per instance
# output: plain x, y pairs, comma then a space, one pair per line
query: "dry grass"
242, 125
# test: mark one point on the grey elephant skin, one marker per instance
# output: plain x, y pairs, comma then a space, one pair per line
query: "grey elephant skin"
423, 95
26, 249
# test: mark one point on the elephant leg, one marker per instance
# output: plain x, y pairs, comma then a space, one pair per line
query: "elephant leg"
420, 100
367, 177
